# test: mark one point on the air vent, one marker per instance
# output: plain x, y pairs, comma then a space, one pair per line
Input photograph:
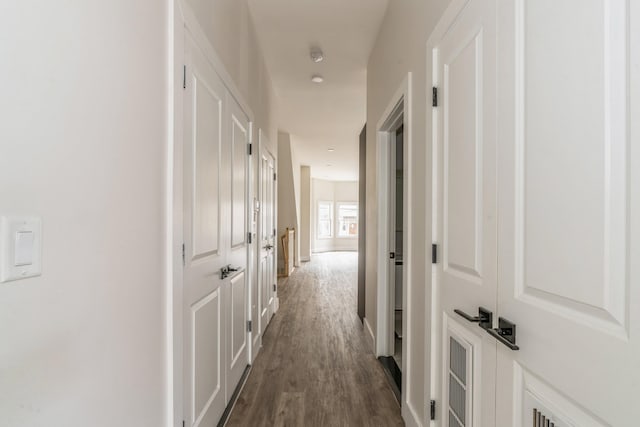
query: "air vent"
457, 383
542, 420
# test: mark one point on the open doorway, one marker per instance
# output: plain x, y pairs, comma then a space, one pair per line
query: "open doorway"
396, 226
391, 339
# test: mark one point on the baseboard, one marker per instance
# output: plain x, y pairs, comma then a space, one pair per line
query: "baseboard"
409, 415
305, 259
276, 305
371, 339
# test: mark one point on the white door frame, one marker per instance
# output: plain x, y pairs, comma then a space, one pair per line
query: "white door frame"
432, 79
398, 108
184, 21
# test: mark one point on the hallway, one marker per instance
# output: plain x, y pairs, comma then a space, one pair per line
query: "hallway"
315, 368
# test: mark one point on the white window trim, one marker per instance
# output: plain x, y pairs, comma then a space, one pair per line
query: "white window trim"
337, 221
332, 219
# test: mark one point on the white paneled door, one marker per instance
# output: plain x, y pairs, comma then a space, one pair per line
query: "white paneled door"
216, 171
565, 232
466, 146
267, 233
538, 213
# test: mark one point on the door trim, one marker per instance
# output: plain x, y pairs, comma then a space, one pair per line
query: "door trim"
398, 108
433, 80
184, 21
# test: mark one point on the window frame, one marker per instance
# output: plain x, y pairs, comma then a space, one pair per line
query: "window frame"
331, 220
337, 221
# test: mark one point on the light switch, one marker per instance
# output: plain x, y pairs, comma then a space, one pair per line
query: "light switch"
23, 254
20, 248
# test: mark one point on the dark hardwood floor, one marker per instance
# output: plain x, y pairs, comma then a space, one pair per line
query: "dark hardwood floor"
315, 367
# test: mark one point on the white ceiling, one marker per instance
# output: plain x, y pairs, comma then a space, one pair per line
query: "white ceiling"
330, 114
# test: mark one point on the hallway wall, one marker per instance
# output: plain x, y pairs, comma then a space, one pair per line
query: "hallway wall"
305, 213
229, 27
84, 140
288, 194
399, 49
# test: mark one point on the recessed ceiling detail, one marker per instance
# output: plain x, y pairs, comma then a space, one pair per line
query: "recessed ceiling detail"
330, 115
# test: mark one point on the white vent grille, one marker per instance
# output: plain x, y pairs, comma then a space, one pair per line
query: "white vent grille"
457, 383
542, 420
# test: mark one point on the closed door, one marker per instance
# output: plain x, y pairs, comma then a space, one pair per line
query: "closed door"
466, 214
238, 336
267, 231
568, 252
206, 193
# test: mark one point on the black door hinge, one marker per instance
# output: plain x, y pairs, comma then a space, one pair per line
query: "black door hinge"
250, 149
249, 237
274, 231
183, 255
182, 423
249, 325
434, 254
435, 97
274, 176
433, 410
274, 287
184, 77
392, 255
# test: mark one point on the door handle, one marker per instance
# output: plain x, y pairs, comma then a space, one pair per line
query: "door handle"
505, 333
484, 317
224, 272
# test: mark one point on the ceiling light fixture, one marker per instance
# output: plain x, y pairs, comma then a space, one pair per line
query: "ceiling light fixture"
317, 79
329, 164
316, 54
331, 150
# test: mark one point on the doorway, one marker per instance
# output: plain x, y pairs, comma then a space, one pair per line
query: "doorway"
393, 272
396, 239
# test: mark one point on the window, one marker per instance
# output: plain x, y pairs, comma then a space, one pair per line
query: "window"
325, 220
348, 219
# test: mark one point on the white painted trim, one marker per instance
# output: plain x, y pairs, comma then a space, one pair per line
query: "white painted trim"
400, 105
399, 102
433, 342
170, 268
409, 415
371, 339
175, 221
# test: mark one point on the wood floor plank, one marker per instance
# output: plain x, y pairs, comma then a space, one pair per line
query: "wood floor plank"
315, 367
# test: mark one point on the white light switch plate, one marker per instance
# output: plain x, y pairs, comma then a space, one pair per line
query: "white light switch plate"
20, 248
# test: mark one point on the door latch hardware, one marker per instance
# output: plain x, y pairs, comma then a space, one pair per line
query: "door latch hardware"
505, 333
249, 326
484, 317
392, 255
432, 411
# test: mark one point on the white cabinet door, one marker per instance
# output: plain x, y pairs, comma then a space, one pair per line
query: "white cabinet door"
466, 132
237, 149
205, 184
267, 241
568, 208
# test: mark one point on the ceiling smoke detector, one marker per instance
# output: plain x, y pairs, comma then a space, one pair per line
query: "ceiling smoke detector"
317, 79
316, 54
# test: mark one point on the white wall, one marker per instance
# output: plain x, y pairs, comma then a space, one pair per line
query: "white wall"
399, 49
83, 145
305, 213
230, 30
332, 191
288, 193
